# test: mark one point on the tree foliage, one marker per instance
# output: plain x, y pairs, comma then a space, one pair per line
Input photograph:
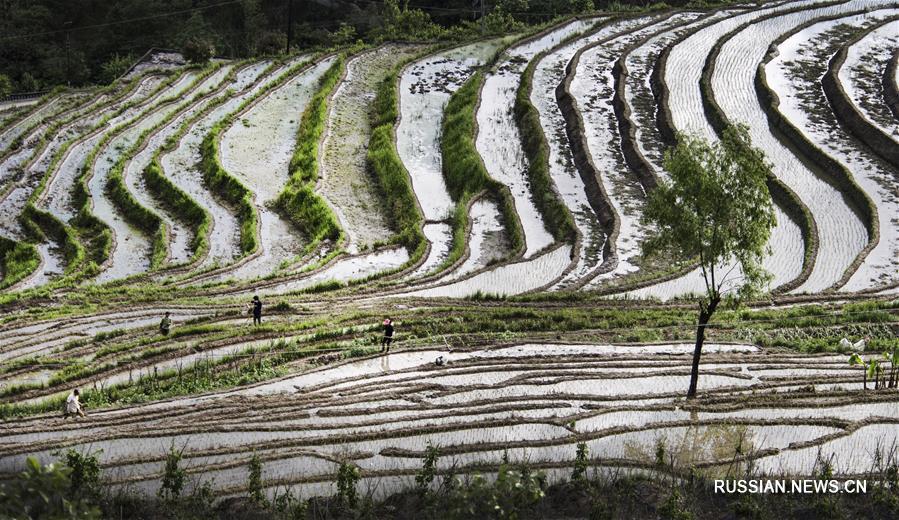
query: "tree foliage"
42, 492
715, 208
53, 42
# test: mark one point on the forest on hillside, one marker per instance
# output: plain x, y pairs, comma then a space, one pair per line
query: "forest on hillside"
57, 42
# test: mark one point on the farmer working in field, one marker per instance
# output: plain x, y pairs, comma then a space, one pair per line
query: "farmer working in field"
73, 406
257, 311
165, 324
388, 335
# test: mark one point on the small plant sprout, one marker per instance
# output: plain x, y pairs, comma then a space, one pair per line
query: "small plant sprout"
856, 359
579, 473
428, 469
892, 357
875, 370
348, 476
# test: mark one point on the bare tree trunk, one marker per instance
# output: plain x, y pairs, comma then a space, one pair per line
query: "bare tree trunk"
705, 314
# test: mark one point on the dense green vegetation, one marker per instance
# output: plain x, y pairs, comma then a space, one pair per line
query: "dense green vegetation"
390, 173
464, 172
51, 42
305, 208
17, 260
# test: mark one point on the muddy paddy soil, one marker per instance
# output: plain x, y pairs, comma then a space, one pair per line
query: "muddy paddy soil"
793, 75
533, 402
345, 181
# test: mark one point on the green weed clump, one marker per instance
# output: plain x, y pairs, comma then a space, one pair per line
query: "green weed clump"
533, 140
17, 260
392, 177
298, 201
230, 189
464, 172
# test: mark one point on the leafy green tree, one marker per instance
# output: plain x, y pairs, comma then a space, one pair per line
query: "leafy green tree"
41, 493
197, 50
115, 67
5, 86
715, 207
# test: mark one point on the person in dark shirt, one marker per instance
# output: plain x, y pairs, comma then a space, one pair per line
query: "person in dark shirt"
165, 324
388, 335
257, 311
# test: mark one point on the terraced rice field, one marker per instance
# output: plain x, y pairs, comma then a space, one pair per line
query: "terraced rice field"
328, 185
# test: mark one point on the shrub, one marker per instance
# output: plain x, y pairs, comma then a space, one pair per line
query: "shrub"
5, 86
115, 67
197, 50
348, 476
254, 481
271, 43
41, 493
173, 476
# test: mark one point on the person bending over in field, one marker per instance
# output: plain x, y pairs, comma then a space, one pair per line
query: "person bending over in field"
165, 324
388, 335
257, 310
73, 405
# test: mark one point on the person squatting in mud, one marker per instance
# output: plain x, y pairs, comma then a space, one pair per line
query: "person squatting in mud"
388, 335
256, 310
73, 405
